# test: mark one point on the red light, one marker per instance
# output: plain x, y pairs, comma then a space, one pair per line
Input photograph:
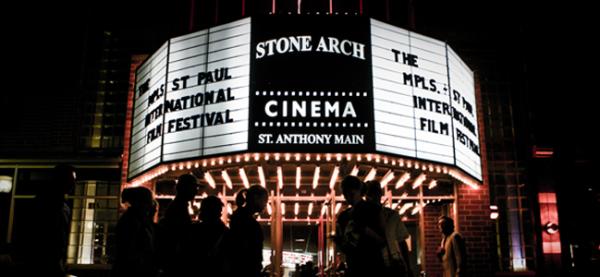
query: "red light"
549, 215
542, 153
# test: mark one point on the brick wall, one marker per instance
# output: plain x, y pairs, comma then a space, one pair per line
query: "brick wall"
433, 238
477, 228
136, 60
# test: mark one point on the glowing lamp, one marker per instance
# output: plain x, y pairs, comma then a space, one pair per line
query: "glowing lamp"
494, 212
551, 228
5, 184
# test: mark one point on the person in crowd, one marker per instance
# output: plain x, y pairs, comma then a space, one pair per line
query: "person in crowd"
395, 254
135, 252
452, 251
43, 247
174, 227
359, 231
246, 233
368, 223
205, 247
339, 266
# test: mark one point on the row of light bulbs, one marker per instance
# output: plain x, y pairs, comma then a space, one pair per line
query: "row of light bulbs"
256, 157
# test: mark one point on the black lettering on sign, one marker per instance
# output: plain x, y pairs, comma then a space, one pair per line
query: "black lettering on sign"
199, 120
153, 115
456, 96
145, 86
156, 94
466, 141
407, 58
154, 133
219, 74
468, 107
418, 81
198, 99
182, 80
435, 127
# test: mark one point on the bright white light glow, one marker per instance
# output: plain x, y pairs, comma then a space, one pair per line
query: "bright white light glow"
244, 178
298, 177
334, 176
310, 208
387, 178
316, 177
432, 184
371, 175
405, 207
5, 184
419, 181
227, 179
261, 177
209, 179
296, 208
338, 206
280, 177
354, 171
402, 180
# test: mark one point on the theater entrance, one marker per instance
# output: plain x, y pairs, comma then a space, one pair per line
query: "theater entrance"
305, 199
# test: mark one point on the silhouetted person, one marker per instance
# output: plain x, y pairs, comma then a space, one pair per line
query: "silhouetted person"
44, 245
135, 252
247, 236
174, 227
359, 233
207, 237
452, 252
308, 270
369, 225
396, 257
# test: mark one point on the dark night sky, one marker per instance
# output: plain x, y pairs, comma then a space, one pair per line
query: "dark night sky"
45, 43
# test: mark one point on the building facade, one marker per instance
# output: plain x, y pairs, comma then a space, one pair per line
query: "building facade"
94, 138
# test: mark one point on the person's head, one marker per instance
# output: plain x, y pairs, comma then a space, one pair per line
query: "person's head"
374, 191
446, 225
63, 182
240, 197
65, 176
211, 208
352, 189
139, 198
187, 187
338, 257
254, 199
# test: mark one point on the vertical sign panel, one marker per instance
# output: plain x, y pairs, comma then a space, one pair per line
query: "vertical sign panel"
229, 54
466, 130
185, 96
191, 98
393, 101
424, 99
429, 80
412, 110
147, 128
207, 97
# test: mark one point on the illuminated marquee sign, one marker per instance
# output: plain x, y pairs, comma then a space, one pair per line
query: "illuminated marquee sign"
424, 99
191, 97
305, 84
311, 85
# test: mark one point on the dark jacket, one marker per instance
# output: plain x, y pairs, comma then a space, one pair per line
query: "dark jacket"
247, 239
